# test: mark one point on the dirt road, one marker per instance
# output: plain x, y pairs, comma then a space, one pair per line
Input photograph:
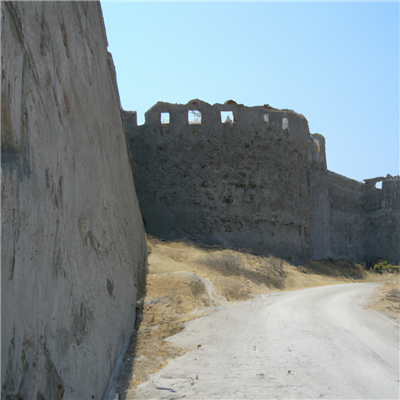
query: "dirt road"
307, 344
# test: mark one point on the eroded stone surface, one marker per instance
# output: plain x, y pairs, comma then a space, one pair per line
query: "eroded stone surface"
254, 177
73, 245
242, 183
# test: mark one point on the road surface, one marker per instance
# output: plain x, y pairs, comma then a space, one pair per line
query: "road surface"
316, 343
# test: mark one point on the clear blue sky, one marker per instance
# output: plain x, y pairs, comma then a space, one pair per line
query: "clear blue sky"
335, 63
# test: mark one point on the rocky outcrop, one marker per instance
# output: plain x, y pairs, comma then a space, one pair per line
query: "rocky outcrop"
73, 245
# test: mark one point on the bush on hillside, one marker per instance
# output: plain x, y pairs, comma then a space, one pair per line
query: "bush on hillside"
385, 266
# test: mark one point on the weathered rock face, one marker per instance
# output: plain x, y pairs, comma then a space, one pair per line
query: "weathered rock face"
241, 184
73, 245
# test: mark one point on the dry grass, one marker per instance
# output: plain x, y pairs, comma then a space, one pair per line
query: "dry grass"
177, 293
387, 297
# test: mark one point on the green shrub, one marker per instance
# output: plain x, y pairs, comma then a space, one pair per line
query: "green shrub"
384, 265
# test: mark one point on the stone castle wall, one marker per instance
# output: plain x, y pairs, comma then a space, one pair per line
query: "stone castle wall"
319, 205
259, 181
243, 184
346, 218
73, 244
382, 221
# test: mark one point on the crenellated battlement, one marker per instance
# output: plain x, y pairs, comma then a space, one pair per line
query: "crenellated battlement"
197, 112
251, 177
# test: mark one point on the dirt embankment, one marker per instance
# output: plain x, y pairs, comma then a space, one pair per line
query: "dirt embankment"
186, 281
387, 297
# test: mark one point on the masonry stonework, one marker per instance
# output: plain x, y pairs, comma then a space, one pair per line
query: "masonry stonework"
241, 184
73, 245
382, 221
256, 180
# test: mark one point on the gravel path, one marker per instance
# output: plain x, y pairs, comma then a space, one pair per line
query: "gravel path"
307, 344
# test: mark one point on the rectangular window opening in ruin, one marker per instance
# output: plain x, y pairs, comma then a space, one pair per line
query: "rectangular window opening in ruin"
194, 117
164, 118
378, 185
285, 123
227, 117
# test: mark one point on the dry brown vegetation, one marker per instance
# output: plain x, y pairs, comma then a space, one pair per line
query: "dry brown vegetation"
187, 281
387, 297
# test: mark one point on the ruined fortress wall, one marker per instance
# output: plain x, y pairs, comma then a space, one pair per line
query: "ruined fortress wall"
73, 245
319, 205
374, 219
243, 184
390, 240
364, 222
346, 218
382, 221
256, 183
